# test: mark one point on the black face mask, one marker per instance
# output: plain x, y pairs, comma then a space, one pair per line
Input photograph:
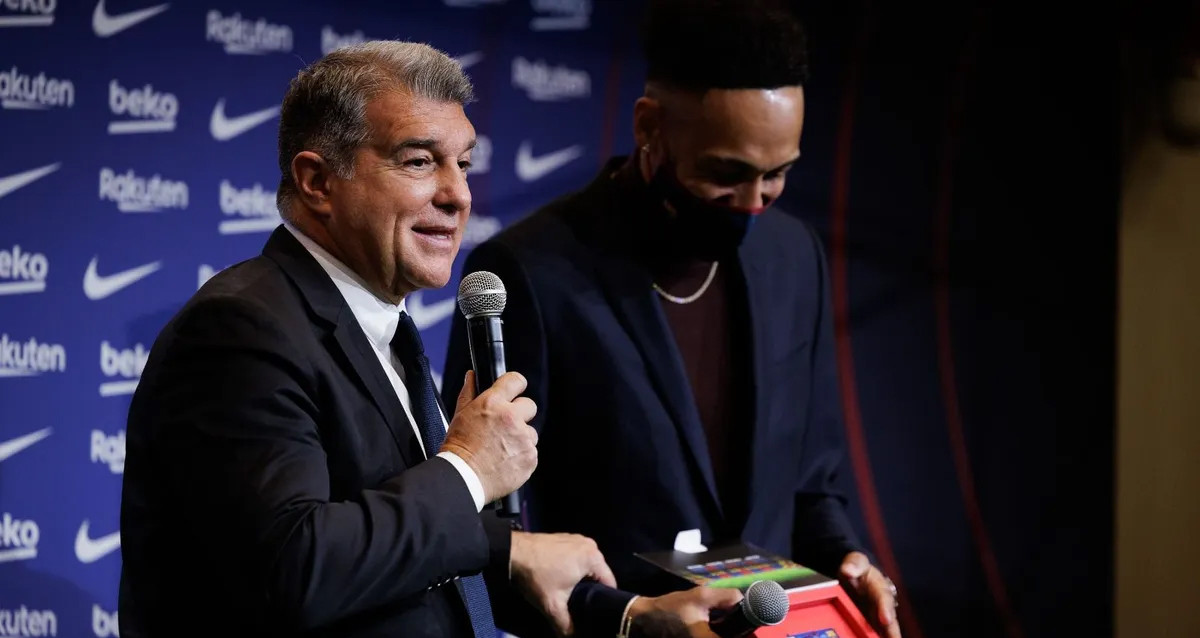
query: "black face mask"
700, 229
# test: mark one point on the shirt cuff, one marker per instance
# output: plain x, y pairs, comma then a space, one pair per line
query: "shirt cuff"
469, 476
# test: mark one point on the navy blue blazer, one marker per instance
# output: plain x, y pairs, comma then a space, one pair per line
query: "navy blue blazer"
622, 451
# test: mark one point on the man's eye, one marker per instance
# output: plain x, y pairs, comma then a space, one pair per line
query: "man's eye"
465, 164
418, 162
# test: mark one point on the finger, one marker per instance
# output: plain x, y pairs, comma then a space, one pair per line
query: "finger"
467, 393
602, 572
719, 597
881, 597
525, 409
855, 565
508, 387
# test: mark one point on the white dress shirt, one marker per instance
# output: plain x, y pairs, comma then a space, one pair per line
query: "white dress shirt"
379, 319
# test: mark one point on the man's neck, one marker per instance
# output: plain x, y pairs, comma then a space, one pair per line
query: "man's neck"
320, 236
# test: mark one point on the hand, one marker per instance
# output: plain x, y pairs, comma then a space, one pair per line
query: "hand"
872, 592
681, 614
491, 433
546, 568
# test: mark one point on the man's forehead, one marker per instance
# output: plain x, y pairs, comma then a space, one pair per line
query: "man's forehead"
396, 116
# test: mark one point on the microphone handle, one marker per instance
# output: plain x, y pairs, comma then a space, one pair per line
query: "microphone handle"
486, 336
734, 624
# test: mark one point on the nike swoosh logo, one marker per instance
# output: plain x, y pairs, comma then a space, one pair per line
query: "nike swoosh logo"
97, 287
469, 59
12, 446
531, 169
425, 316
105, 25
13, 182
89, 550
226, 128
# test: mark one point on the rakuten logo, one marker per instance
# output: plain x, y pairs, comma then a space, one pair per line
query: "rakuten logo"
332, 40
253, 209
565, 15
544, 83
27, 13
104, 624
37, 92
18, 539
22, 271
28, 622
30, 358
125, 365
109, 450
133, 193
151, 111
247, 37
481, 157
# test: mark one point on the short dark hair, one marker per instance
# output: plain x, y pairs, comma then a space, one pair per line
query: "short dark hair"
698, 45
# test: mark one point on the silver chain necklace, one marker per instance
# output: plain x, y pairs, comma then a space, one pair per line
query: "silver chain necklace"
692, 297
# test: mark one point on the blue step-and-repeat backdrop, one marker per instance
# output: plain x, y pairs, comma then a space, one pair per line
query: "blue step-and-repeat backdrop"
139, 157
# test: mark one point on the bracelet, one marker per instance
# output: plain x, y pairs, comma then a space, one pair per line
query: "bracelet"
626, 620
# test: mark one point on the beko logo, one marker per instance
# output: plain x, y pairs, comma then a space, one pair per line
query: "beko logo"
37, 92
30, 358
544, 83
104, 624
149, 111
480, 228
125, 365
22, 271
247, 37
133, 193
109, 450
28, 622
332, 40
253, 209
565, 15
27, 13
18, 539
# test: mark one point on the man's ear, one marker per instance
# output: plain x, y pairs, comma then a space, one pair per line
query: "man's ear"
647, 120
312, 176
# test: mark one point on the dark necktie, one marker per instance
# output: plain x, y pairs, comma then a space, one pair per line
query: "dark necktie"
425, 409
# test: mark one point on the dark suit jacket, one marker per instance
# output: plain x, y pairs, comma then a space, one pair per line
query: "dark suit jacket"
622, 452
273, 484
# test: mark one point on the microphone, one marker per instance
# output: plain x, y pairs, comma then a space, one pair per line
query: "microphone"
481, 299
765, 603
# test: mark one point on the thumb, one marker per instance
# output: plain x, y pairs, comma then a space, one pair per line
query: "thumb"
467, 394
720, 597
855, 565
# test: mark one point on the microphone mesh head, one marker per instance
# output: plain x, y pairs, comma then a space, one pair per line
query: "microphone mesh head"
481, 293
766, 603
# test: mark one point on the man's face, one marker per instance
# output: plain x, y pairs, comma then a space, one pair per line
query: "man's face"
733, 147
399, 220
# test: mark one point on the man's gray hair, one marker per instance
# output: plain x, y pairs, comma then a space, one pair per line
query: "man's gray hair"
325, 109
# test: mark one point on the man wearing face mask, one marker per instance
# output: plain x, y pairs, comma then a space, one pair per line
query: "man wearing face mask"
676, 331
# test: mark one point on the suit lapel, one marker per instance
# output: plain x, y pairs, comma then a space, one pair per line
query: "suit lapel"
627, 286
758, 300
328, 305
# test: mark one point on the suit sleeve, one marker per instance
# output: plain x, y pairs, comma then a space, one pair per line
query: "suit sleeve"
235, 411
822, 533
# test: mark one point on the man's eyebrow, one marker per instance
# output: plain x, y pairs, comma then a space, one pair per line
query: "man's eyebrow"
742, 166
422, 143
